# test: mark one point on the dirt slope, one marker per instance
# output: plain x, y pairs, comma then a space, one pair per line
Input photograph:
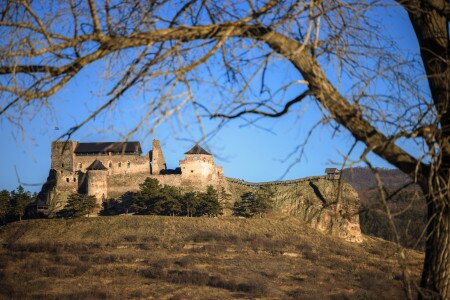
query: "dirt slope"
199, 258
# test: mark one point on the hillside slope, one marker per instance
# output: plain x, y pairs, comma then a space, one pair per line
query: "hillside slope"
329, 206
199, 258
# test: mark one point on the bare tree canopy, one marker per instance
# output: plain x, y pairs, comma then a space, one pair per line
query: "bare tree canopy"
389, 99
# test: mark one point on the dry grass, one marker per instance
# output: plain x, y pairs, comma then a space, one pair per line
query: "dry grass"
179, 258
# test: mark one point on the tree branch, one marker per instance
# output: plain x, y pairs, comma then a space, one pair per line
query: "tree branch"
263, 113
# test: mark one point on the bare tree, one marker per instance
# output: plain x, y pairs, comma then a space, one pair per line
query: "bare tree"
169, 47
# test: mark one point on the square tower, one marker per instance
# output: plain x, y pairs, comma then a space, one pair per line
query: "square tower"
63, 155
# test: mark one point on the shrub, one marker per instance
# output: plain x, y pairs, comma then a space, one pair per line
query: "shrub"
79, 205
252, 204
5, 205
209, 203
19, 201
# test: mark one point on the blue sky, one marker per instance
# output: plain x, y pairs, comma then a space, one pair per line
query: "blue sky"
245, 151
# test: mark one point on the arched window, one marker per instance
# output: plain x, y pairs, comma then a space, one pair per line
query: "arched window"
62, 165
110, 164
67, 179
128, 164
74, 179
120, 164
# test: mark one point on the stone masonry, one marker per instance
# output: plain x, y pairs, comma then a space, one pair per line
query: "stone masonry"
109, 170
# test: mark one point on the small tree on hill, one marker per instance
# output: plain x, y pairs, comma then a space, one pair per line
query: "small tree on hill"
19, 201
252, 204
243, 207
78, 206
263, 201
144, 201
5, 205
209, 203
189, 204
168, 202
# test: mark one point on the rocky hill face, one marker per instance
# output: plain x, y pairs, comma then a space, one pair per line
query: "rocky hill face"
326, 205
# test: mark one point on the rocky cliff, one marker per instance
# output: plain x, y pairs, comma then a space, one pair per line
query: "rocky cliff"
329, 206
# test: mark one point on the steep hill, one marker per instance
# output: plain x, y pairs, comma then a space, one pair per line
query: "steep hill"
179, 258
405, 201
327, 205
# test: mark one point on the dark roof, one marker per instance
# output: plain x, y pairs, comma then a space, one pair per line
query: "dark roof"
105, 147
331, 170
97, 165
197, 150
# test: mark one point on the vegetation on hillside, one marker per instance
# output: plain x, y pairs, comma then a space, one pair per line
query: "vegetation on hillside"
252, 204
154, 199
78, 206
122, 257
14, 204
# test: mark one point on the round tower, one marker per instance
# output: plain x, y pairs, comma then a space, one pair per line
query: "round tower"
97, 184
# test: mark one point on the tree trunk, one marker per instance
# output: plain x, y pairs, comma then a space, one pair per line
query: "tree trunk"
430, 21
435, 282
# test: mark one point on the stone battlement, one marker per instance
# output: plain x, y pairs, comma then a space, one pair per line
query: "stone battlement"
110, 169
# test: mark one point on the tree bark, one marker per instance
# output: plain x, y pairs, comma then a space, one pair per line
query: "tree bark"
435, 281
430, 22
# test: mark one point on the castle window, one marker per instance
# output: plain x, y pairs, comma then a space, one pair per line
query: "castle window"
62, 165
128, 164
67, 179
192, 171
110, 164
74, 179
61, 171
120, 165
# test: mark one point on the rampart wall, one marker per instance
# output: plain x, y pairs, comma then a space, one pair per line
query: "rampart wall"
66, 181
277, 182
116, 164
119, 184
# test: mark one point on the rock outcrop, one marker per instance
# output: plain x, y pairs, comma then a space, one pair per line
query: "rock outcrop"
330, 206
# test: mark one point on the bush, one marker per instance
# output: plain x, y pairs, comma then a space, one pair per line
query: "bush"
209, 203
251, 205
19, 201
79, 205
171, 201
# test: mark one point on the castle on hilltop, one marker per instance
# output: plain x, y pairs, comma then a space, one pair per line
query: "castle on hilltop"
108, 170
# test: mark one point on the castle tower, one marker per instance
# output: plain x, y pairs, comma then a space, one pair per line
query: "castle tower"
63, 155
158, 163
198, 167
97, 184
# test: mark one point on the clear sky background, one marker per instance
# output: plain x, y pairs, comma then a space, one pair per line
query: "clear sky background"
245, 151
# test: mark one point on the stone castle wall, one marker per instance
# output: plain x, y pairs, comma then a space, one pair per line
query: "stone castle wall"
97, 184
62, 155
119, 184
67, 181
124, 172
158, 160
200, 170
116, 164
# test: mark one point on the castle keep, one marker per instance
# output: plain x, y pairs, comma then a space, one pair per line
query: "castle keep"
109, 170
